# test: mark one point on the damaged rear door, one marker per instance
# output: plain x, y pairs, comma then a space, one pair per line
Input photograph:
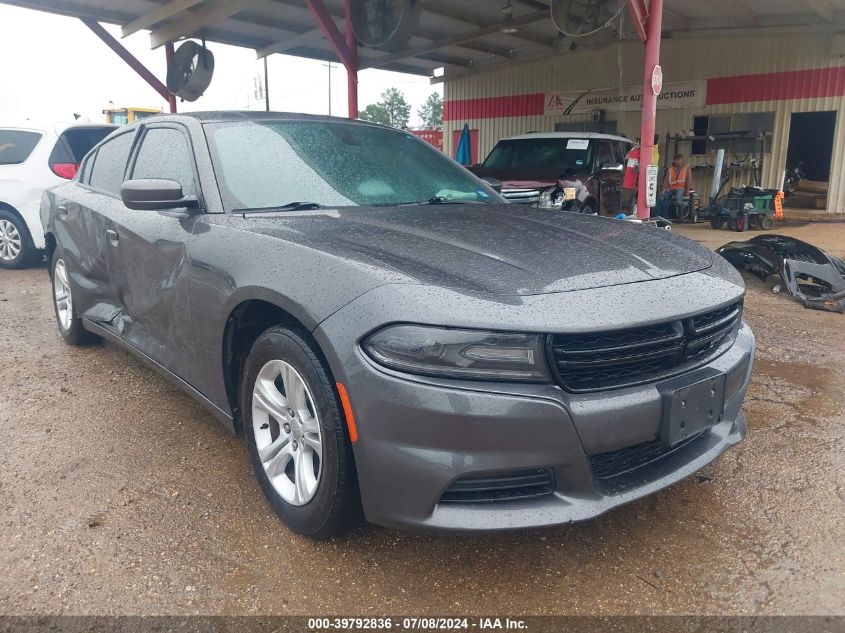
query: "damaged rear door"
149, 255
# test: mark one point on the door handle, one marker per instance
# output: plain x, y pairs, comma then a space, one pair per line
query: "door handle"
112, 236
62, 209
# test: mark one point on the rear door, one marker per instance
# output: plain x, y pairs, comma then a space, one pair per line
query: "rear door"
82, 211
149, 257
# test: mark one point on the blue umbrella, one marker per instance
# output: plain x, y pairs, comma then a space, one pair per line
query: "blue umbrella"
463, 154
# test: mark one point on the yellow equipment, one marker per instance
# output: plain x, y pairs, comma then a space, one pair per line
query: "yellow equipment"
122, 116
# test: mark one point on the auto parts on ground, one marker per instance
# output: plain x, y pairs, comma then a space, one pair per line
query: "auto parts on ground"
810, 275
744, 208
658, 223
189, 71
384, 24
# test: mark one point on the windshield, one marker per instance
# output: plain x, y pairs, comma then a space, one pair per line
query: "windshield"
265, 164
556, 154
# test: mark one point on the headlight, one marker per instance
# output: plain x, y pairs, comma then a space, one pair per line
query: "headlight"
470, 354
546, 201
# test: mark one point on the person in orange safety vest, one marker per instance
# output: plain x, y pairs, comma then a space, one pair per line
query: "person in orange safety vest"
676, 182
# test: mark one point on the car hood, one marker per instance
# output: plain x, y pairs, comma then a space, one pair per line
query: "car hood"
498, 249
522, 177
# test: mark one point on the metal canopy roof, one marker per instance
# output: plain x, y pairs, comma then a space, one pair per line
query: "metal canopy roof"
462, 35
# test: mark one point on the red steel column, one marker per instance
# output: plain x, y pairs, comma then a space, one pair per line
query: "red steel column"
168, 55
351, 73
652, 59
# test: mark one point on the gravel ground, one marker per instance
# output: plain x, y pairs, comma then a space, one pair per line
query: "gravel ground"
120, 495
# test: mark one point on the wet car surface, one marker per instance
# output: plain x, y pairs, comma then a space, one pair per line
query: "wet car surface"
399, 343
119, 494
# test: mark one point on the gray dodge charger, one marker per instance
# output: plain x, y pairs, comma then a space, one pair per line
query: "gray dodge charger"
390, 338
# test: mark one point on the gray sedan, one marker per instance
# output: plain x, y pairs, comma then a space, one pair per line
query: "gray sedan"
390, 338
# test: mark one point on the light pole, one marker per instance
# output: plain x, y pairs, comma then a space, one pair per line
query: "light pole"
330, 66
266, 87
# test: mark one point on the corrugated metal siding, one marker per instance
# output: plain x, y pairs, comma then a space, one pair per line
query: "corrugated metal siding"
682, 60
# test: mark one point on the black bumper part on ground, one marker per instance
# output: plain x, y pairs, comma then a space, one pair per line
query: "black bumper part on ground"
810, 275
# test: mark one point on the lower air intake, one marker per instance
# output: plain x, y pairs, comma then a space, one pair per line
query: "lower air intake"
517, 485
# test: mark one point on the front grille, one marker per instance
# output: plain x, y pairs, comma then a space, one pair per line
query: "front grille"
614, 471
522, 196
518, 485
621, 358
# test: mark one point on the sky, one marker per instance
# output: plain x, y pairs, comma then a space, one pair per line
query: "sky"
52, 67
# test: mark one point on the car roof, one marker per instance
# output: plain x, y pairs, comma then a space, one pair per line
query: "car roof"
57, 127
222, 116
590, 135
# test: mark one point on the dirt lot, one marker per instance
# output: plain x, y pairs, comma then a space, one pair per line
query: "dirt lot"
119, 494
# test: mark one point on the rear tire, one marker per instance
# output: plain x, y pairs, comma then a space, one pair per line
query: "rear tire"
766, 223
296, 435
16, 247
70, 325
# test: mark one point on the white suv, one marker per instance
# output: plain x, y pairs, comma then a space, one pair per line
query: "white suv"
33, 158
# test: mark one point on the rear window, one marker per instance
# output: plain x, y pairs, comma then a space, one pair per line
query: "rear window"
74, 143
17, 145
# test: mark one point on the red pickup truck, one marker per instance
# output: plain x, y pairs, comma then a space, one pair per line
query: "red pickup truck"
529, 163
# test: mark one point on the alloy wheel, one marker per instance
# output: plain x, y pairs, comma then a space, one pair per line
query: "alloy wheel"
61, 292
10, 241
287, 432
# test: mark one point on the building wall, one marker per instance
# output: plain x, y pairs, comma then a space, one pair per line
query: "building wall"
772, 60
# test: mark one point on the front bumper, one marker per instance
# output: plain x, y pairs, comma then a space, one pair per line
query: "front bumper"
416, 438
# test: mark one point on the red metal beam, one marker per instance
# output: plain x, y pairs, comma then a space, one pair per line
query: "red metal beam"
351, 75
332, 34
639, 14
168, 55
130, 59
652, 59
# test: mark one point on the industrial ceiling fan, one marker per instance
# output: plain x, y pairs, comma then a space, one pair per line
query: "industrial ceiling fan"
590, 23
384, 24
189, 71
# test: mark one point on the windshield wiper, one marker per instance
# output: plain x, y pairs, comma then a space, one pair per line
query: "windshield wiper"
437, 200
291, 206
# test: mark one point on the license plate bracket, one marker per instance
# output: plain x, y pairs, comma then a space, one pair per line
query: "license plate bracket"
689, 408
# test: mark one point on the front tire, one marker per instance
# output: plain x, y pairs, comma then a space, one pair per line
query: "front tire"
16, 247
70, 325
296, 437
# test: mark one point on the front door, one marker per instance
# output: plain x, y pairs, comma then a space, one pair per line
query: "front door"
150, 262
609, 167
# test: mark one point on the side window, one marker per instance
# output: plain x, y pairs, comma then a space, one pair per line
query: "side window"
604, 155
110, 164
17, 145
621, 152
165, 154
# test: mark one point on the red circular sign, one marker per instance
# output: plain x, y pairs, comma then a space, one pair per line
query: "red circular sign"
657, 80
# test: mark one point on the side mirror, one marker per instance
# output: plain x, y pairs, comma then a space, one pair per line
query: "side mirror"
494, 183
608, 167
153, 194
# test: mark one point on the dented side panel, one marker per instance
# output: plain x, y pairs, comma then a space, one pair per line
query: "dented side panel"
151, 268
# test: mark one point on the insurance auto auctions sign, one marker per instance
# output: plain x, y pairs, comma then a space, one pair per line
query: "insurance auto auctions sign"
687, 94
